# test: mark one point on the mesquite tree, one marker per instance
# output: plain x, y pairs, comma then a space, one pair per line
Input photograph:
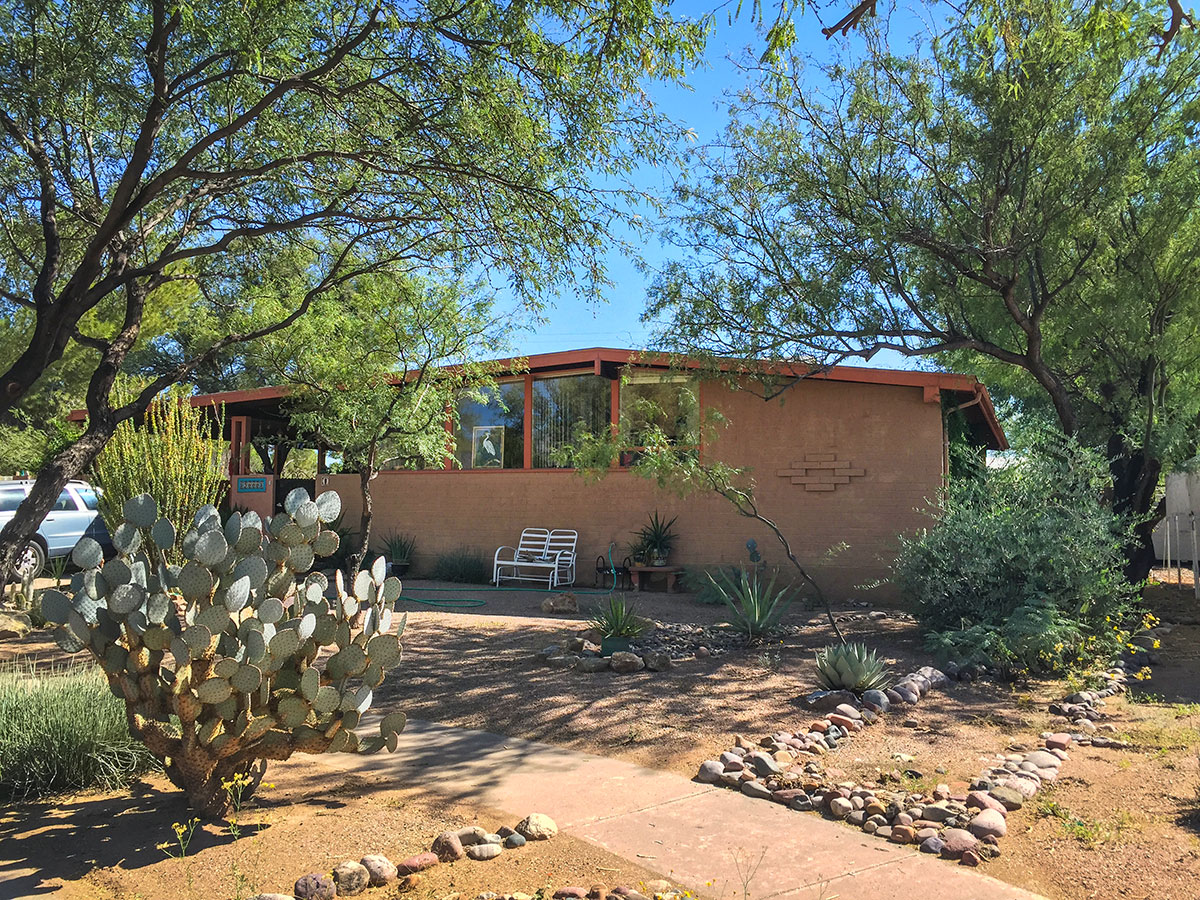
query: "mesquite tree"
153, 141
1022, 197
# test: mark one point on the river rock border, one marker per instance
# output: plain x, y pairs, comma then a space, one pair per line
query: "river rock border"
350, 878
961, 821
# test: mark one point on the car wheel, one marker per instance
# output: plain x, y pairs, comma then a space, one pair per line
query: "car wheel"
32, 562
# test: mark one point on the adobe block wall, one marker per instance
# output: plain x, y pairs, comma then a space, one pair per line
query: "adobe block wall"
833, 462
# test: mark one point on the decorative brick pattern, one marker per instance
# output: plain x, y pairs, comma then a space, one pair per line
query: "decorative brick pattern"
821, 472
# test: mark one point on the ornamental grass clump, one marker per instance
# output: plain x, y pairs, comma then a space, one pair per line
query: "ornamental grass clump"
61, 729
215, 659
618, 619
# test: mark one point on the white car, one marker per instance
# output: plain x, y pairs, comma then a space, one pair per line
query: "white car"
73, 516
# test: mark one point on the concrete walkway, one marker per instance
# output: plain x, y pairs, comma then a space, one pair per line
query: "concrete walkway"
698, 836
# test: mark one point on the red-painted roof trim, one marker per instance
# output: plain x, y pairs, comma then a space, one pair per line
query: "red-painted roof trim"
595, 357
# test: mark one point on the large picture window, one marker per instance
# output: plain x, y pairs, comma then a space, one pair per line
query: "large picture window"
491, 435
560, 405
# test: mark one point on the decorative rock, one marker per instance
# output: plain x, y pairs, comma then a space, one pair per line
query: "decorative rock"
826, 701
625, 663
932, 845
592, 664
272, 897
763, 764
1058, 741
710, 772
14, 624
849, 711
493, 839
657, 660
988, 822
840, 807
537, 827
570, 893
314, 887
562, 661
756, 789
1008, 797
350, 878
449, 847
380, 870
1043, 759
513, 841
956, 842
877, 699
970, 858
902, 834
561, 603
418, 863
1026, 787
484, 851
984, 800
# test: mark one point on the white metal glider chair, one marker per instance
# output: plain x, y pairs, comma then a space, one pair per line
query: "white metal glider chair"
540, 554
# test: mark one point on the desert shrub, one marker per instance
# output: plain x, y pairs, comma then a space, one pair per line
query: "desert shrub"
175, 455
465, 565
231, 683
63, 730
1024, 566
698, 581
616, 618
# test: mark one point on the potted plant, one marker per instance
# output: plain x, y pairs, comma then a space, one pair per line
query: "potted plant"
618, 624
658, 538
398, 548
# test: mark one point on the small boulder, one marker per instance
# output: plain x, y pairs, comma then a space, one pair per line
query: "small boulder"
1009, 798
840, 807
537, 827
417, 863
710, 772
988, 822
932, 845
315, 886
14, 624
984, 800
449, 846
658, 660
513, 841
350, 878
624, 663
570, 893
956, 842
591, 664
877, 699
379, 868
561, 603
1060, 741
756, 789
484, 851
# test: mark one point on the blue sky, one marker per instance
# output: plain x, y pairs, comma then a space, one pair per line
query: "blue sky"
573, 323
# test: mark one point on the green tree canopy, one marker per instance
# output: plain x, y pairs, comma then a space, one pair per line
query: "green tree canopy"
1020, 196
147, 142
376, 372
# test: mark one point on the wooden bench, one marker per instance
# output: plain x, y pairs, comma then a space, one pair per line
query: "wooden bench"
540, 554
639, 574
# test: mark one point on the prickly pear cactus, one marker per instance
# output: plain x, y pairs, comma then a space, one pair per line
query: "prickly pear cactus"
216, 659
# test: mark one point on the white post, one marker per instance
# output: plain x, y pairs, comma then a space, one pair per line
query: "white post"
1167, 555
1195, 562
1178, 554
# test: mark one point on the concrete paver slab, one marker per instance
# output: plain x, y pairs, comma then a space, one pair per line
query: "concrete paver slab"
701, 837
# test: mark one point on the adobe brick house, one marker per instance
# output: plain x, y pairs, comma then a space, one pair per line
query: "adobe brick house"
847, 456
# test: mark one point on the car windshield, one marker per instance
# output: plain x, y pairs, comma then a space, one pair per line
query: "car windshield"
88, 496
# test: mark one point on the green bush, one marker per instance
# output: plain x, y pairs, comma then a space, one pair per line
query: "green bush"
1023, 569
63, 730
465, 565
698, 581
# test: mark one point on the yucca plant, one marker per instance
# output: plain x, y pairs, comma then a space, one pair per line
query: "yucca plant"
398, 548
755, 608
617, 619
851, 667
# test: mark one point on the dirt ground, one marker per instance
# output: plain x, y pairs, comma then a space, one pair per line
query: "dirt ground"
1118, 824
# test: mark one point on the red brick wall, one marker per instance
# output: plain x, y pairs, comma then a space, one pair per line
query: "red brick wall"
833, 462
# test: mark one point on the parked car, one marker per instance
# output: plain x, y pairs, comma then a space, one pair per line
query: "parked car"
73, 516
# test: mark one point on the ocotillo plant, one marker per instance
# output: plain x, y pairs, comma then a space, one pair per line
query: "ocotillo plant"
215, 658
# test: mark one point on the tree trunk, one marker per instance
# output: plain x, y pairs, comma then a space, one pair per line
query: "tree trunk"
1135, 476
51, 480
366, 473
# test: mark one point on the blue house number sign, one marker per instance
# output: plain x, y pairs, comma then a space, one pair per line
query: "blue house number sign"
251, 485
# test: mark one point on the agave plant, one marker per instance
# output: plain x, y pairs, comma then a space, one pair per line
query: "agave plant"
755, 608
851, 667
